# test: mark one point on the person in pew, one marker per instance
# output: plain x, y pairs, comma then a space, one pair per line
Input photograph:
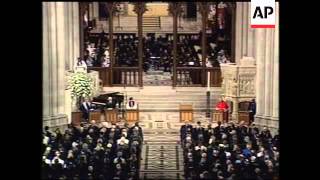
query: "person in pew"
131, 104
85, 108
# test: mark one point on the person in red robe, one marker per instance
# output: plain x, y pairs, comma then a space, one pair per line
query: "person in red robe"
222, 106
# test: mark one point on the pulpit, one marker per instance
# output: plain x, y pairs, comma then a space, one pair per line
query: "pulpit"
95, 115
132, 115
186, 113
220, 116
111, 115
76, 118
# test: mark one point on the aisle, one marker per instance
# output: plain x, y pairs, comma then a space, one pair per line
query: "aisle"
162, 156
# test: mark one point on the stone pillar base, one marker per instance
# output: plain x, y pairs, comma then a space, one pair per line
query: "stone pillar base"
271, 122
57, 121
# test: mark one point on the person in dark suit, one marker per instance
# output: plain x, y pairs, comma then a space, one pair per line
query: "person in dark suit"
252, 110
110, 103
183, 130
85, 108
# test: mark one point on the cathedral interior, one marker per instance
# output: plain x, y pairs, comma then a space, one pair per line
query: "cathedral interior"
159, 90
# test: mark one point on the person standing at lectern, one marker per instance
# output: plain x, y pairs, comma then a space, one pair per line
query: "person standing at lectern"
85, 108
223, 107
131, 104
252, 110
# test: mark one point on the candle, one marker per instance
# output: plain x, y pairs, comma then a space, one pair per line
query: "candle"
208, 81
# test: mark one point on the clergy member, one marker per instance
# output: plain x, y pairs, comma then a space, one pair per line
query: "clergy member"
131, 104
222, 106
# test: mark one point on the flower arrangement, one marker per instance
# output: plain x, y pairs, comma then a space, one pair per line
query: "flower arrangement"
81, 85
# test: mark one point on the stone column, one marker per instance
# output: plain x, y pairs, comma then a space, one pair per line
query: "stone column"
75, 32
244, 27
72, 34
244, 34
82, 6
260, 59
60, 46
238, 31
46, 104
251, 35
267, 73
275, 103
53, 57
61, 54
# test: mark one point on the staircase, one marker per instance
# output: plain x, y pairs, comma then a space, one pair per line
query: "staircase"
167, 99
151, 23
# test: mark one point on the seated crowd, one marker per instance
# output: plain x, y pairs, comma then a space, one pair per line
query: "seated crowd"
92, 152
229, 152
157, 52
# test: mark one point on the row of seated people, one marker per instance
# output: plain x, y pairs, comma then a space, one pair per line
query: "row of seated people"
157, 52
92, 151
229, 152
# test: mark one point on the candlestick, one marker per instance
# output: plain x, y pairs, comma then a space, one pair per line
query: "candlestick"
208, 81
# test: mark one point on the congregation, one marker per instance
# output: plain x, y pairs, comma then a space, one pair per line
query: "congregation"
92, 151
229, 152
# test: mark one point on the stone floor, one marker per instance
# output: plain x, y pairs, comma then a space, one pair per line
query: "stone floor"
162, 154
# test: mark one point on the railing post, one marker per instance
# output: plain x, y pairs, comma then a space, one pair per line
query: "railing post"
111, 7
140, 8
175, 9
204, 16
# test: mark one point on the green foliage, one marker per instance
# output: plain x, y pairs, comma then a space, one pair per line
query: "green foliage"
81, 85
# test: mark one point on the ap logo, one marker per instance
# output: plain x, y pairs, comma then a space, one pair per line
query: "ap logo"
263, 14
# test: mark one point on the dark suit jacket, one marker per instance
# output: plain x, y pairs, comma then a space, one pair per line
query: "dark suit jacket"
110, 105
85, 112
252, 107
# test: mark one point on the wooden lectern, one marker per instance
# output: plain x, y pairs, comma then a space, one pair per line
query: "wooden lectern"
76, 118
220, 116
111, 115
186, 113
244, 116
132, 115
95, 115
243, 113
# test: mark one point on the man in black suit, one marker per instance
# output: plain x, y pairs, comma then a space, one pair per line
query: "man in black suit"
85, 108
110, 103
252, 110
183, 130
